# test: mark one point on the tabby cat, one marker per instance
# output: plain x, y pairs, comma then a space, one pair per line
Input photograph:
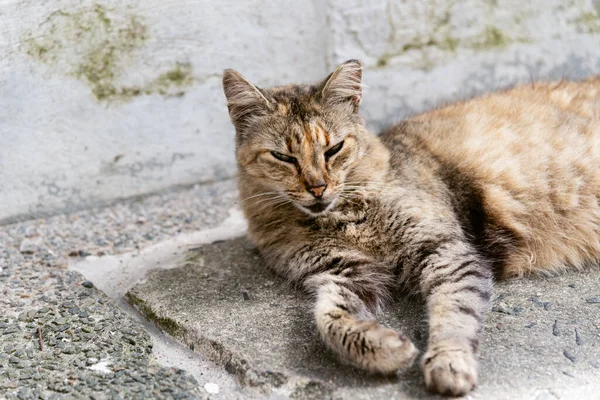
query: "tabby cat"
442, 203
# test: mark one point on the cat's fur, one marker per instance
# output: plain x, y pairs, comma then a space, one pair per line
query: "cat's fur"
505, 184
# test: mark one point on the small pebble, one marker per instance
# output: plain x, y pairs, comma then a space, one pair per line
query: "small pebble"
87, 284
68, 304
535, 301
570, 355
547, 305
593, 300
245, 296
211, 388
24, 394
91, 361
531, 325
508, 310
129, 339
555, 329
79, 253
30, 246
578, 338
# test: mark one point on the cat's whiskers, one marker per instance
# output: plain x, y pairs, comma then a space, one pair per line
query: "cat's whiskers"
260, 194
276, 221
282, 204
354, 192
271, 201
265, 202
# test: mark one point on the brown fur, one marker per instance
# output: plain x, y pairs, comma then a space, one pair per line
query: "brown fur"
505, 184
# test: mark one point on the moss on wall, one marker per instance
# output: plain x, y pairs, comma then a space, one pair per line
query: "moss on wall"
180, 76
492, 37
588, 22
97, 45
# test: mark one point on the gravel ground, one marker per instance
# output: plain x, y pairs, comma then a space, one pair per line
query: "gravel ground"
67, 342
62, 338
117, 229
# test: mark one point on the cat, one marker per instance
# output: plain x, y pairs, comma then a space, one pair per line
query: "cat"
442, 204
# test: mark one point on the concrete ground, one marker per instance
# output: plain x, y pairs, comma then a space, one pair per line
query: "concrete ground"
227, 327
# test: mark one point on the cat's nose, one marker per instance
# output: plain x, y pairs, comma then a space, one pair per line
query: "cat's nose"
317, 190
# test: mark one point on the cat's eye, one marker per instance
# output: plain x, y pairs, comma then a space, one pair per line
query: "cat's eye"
283, 157
334, 150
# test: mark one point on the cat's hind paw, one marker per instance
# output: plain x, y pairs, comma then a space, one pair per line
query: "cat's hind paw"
450, 370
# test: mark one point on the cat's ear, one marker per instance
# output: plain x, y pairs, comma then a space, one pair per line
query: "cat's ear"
244, 100
344, 85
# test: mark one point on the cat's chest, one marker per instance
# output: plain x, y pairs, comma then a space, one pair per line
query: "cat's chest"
364, 227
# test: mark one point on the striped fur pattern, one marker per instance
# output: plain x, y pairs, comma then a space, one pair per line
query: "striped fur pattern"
441, 203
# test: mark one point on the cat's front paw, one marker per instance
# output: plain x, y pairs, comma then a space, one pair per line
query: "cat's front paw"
450, 369
381, 350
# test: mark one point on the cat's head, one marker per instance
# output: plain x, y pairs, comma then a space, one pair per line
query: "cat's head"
300, 141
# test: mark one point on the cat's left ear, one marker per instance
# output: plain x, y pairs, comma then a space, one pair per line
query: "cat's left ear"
344, 85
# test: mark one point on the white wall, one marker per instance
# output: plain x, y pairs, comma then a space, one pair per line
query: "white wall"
106, 99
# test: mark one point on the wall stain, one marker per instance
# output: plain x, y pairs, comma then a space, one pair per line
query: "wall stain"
492, 37
97, 45
142, 169
443, 38
588, 22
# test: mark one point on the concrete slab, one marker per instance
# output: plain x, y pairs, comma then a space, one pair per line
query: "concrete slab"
542, 341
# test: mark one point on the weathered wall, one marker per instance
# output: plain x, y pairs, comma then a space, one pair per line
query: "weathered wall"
115, 99
105, 99
420, 54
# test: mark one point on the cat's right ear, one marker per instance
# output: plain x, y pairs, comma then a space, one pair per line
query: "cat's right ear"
244, 100
344, 85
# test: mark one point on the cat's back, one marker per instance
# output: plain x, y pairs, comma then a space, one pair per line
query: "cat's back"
548, 115
533, 153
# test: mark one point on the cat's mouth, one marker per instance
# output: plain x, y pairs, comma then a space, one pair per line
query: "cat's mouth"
318, 208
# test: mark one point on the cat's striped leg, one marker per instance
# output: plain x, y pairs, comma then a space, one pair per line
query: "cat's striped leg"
344, 313
457, 284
